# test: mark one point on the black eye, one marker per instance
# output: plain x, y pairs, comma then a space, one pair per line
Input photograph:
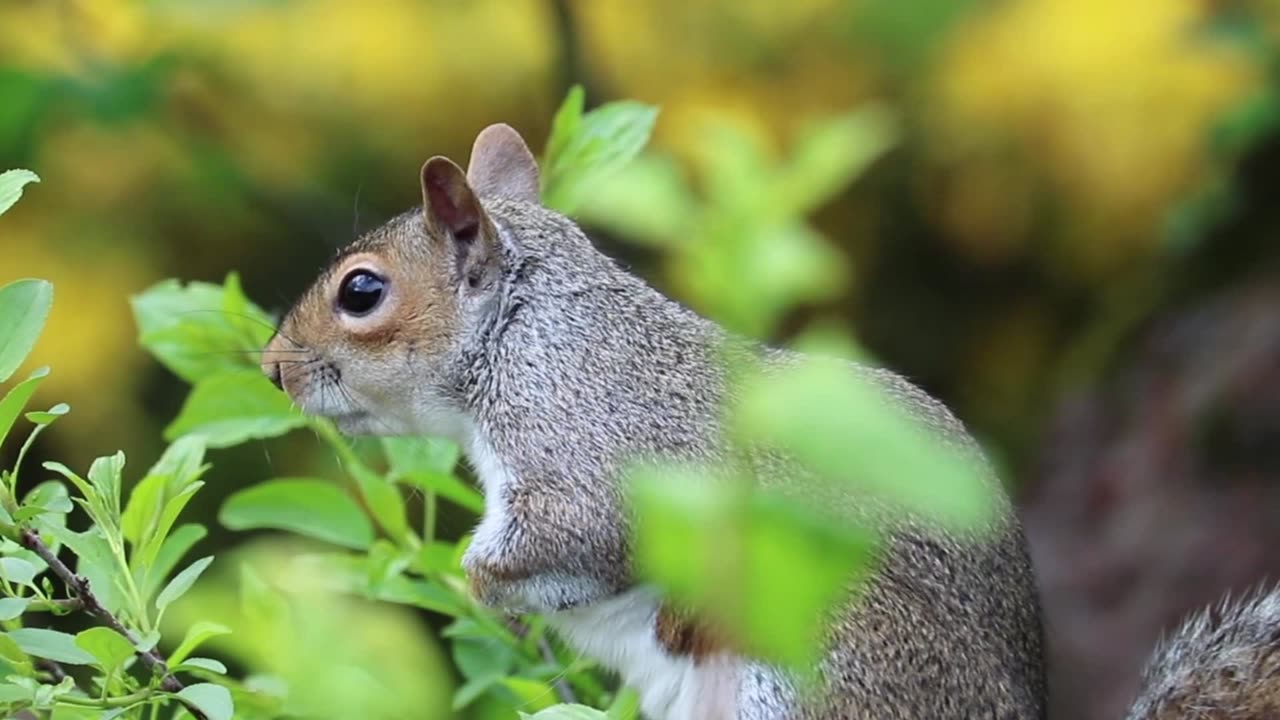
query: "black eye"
360, 293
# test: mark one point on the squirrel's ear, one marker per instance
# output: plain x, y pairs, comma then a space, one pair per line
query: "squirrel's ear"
502, 166
452, 211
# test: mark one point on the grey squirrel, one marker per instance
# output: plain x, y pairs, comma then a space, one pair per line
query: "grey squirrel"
485, 317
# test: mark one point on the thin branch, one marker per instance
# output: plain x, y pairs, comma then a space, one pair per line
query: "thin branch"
79, 585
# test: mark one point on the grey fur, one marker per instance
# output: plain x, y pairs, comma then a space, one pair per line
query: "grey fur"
1221, 664
558, 367
586, 366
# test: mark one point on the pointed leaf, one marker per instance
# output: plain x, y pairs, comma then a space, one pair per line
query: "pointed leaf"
24, 306
11, 608
197, 634
16, 399
197, 329
51, 645
231, 407
181, 583
46, 417
11, 184
313, 508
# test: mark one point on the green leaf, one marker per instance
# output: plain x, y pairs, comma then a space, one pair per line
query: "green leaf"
648, 201
231, 407
208, 664
583, 153
793, 563
110, 648
196, 634
830, 155
17, 570
313, 508
16, 399
172, 550
11, 184
564, 127
531, 694
181, 583
481, 659
104, 475
24, 306
11, 608
626, 706
50, 495
200, 330
46, 417
384, 501
566, 712
213, 700
51, 645
416, 454
177, 469
94, 560
146, 556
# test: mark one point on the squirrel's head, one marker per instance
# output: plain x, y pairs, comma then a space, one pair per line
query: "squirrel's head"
372, 342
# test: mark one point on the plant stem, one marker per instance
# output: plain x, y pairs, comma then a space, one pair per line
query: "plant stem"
80, 586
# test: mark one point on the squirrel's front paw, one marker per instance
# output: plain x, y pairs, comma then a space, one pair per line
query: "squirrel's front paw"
511, 588
496, 585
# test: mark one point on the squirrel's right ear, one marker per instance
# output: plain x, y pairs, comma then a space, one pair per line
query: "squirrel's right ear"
452, 212
502, 166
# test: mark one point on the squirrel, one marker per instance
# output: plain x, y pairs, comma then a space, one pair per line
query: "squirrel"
487, 318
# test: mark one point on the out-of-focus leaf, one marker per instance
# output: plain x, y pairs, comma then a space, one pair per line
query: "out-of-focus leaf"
11, 184
231, 407
201, 329
384, 501
852, 432
830, 155
196, 634
313, 508
531, 694
414, 454
626, 706
648, 201
586, 149
51, 645
208, 664
213, 700
757, 564
566, 712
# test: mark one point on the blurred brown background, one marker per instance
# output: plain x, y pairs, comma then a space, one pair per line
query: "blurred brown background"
1073, 243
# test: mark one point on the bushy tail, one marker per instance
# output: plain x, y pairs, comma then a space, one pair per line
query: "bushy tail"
1221, 664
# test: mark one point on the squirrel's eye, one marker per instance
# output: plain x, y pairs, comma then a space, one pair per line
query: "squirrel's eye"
360, 292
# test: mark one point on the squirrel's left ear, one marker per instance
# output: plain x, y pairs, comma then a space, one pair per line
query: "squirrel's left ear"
453, 215
502, 166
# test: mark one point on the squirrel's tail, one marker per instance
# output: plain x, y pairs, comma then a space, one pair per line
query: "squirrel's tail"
1224, 662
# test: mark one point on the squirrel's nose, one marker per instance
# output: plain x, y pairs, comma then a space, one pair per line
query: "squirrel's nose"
271, 363
272, 371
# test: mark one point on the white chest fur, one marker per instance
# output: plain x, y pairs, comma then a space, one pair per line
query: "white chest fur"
619, 633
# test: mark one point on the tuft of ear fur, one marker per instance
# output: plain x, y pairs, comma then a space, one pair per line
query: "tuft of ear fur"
453, 213
502, 166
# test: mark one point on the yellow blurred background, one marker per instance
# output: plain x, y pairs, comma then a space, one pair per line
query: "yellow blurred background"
1073, 179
